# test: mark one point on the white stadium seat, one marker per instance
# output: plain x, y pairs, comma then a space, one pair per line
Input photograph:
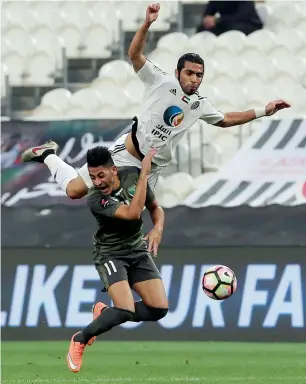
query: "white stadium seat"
286, 15
119, 71
202, 43
175, 42
128, 12
232, 42
47, 13
75, 13
40, 69
259, 43
45, 112
86, 99
15, 65
263, 68
180, 184
18, 13
19, 39
97, 42
58, 99
115, 97
105, 16
48, 42
164, 59
227, 144
135, 88
71, 38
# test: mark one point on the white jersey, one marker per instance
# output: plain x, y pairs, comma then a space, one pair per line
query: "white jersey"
167, 113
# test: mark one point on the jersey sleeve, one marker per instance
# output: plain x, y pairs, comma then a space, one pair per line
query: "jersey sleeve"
210, 114
100, 205
149, 73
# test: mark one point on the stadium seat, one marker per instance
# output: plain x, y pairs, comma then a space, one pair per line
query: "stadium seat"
15, 65
226, 143
75, 13
135, 88
164, 59
233, 68
169, 199
164, 18
86, 99
105, 16
202, 43
4, 72
18, 13
264, 12
107, 112
231, 43
174, 42
48, 42
58, 99
259, 43
115, 97
97, 42
47, 13
119, 71
286, 16
180, 184
128, 12
263, 68
44, 112
40, 69
71, 38
19, 39
292, 40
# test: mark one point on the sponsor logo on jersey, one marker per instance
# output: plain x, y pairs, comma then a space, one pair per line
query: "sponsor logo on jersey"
173, 91
132, 190
104, 203
173, 116
195, 105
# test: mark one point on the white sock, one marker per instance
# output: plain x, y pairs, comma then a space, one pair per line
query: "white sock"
61, 171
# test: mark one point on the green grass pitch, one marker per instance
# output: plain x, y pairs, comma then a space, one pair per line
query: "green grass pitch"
154, 362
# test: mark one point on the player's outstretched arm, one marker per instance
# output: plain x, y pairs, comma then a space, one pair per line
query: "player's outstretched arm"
134, 210
135, 51
238, 118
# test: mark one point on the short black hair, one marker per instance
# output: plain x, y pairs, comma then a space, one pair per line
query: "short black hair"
191, 57
99, 156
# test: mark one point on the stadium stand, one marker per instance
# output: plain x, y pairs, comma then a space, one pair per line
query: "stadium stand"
72, 56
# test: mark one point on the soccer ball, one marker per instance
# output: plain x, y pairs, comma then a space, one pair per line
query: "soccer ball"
219, 282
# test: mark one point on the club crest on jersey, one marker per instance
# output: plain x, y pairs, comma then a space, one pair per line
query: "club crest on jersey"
173, 116
104, 203
132, 190
195, 105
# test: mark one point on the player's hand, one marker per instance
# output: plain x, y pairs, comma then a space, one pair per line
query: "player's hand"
152, 12
154, 237
209, 22
147, 161
275, 106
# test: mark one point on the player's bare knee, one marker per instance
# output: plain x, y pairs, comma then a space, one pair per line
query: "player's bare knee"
73, 192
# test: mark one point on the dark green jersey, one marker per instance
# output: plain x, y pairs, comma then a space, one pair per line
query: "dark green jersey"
117, 234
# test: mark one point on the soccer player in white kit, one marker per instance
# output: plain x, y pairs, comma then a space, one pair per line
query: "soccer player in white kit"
170, 106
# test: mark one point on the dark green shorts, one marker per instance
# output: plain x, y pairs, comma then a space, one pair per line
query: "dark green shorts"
134, 265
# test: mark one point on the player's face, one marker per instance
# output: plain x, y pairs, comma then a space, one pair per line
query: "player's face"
191, 77
104, 178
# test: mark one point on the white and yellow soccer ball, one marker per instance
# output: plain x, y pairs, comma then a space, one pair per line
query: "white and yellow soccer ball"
219, 282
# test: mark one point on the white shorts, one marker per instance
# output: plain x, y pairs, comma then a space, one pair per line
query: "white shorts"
122, 158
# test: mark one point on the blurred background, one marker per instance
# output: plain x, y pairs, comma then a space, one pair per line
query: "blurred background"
232, 196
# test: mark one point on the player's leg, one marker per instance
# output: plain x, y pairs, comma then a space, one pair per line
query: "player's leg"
73, 184
114, 277
145, 280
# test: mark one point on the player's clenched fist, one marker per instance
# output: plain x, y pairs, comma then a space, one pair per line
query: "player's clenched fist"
152, 12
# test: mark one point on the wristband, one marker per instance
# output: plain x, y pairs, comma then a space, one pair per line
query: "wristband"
260, 112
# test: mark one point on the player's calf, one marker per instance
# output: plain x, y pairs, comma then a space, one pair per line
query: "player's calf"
96, 311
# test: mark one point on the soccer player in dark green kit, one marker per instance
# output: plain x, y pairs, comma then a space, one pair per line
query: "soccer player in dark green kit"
121, 254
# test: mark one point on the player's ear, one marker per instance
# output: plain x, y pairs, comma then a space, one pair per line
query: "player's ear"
176, 73
114, 170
